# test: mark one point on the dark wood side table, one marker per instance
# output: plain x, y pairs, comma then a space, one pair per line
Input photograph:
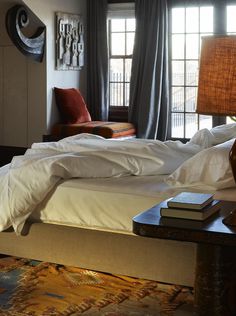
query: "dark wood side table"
215, 277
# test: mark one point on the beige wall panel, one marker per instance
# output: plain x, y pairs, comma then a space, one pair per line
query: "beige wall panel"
14, 98
1, 95
37, 99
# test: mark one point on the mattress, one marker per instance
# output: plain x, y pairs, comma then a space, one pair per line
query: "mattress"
107, 204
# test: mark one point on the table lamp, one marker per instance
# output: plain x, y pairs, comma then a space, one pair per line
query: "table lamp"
217, 86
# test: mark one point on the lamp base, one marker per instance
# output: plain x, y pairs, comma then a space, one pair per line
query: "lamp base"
232, 159
230, 220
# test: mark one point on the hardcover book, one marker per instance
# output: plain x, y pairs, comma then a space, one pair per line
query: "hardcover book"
190, 200
194, 214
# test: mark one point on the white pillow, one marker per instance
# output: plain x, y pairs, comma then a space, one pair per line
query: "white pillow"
219, 134
210, 168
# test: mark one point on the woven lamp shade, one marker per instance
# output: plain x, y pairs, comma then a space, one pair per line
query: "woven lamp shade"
217, 87
217, 76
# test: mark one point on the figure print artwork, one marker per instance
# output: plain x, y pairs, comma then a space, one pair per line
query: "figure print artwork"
69, 41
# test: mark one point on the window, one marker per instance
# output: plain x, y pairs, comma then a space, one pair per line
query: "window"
121, 32
121, 42
188, 25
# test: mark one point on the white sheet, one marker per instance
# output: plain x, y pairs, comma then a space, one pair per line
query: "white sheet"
210, 168
30, 178
107, 204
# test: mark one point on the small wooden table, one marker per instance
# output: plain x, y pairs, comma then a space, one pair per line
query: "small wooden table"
215, 278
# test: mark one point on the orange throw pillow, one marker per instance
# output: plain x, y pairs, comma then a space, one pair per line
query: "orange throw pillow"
71, 106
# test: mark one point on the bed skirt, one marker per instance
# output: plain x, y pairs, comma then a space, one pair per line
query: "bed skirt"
127, 254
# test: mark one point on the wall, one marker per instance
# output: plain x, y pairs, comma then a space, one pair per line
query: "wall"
13, 88
45, 10
27, 107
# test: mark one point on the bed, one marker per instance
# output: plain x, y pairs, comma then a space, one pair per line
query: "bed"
83, 218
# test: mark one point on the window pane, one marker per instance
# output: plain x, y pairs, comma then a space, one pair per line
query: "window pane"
191, 125
116, 94
177, 123
206, 19
192, 46
116, 70
118, 44
118, 25
191, 73
231, 20
127, 86
128, 64
129, 43
192, 20
205, 121
178, 73
191, 97
229, 120
178, 46
130, 25
178, 20
177, 99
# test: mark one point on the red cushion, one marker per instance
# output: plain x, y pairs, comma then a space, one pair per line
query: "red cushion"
71, 106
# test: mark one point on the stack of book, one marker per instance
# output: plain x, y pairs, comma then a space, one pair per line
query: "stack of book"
190, 205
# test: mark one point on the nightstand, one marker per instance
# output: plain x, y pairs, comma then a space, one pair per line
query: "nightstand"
215, 278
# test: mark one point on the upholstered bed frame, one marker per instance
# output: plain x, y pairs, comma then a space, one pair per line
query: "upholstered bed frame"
127, 254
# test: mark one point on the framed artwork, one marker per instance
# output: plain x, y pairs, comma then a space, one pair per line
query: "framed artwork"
69, 41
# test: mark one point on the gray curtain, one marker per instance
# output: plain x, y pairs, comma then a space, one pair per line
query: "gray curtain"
97, 70
149, 87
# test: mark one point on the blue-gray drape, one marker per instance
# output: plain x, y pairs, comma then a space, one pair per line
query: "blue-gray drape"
149, 87
97, 70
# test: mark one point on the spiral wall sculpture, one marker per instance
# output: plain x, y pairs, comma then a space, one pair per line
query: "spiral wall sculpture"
16, 19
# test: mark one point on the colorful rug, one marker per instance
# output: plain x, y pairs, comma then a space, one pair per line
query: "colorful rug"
32, 288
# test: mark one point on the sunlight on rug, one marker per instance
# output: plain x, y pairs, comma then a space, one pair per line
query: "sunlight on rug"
36, 288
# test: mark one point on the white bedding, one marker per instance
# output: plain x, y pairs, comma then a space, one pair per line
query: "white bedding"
30, 178
107, 204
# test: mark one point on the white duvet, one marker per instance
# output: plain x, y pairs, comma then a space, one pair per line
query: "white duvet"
26, 181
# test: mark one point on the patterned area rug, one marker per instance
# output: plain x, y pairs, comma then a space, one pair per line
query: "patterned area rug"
37, 288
